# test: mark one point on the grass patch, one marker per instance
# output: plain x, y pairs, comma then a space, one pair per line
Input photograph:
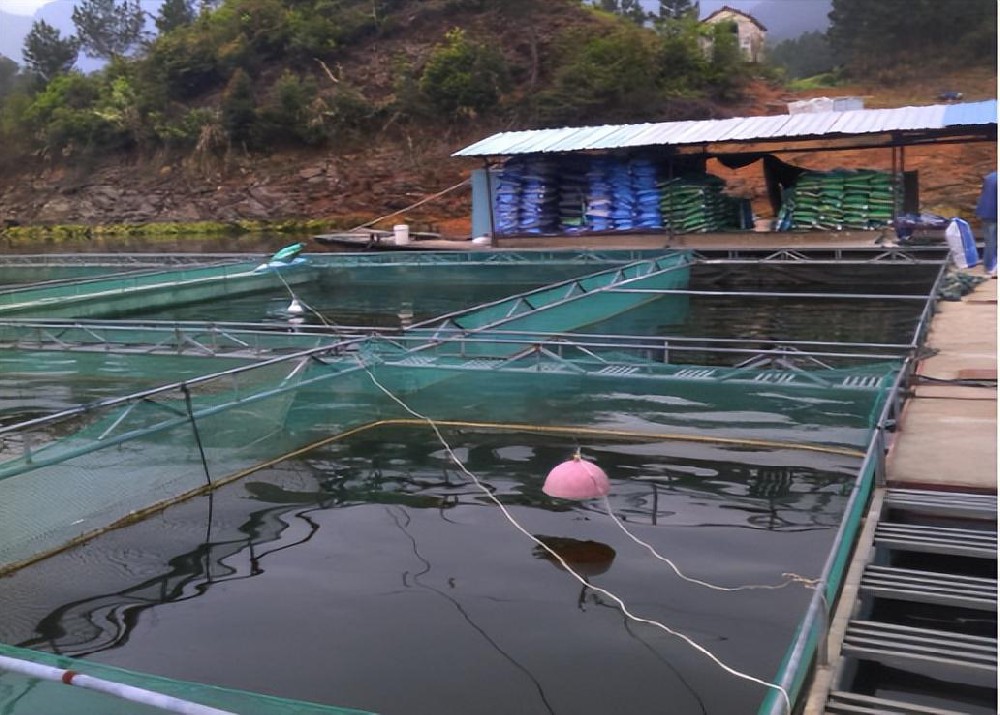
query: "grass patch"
72, 233
819, 81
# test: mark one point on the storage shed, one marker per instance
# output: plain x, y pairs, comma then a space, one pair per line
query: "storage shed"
651, 177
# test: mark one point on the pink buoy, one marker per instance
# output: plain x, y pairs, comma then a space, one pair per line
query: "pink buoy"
577, 479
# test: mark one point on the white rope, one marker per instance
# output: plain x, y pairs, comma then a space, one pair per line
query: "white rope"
422, 201
118, 690
790, 577
621, 604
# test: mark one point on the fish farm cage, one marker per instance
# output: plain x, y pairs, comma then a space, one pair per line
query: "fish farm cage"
122, 399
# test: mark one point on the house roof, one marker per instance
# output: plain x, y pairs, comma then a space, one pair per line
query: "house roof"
748, 16
935, 120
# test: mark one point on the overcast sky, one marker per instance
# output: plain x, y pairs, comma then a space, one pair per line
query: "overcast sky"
21, 7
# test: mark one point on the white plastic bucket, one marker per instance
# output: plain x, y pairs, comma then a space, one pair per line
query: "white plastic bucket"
401, 232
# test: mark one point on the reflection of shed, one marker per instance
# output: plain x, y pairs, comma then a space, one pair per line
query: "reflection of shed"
560, 167
750, 33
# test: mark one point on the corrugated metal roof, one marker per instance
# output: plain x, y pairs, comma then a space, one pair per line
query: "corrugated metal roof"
739, 129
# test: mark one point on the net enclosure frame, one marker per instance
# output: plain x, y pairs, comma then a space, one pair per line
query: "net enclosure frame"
422, 357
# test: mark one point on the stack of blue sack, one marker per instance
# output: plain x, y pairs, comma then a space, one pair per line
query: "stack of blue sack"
622, 197
539, 198
599, 197
507, 206
646, 195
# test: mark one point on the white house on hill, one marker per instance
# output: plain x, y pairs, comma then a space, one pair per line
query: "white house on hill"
749, 31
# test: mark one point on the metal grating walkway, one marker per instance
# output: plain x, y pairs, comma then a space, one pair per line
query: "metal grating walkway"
937, 540
933, 549
947, 504
950, 656
842, 703
930, 587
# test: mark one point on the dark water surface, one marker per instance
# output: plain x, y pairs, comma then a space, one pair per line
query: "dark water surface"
373, 574
835, 317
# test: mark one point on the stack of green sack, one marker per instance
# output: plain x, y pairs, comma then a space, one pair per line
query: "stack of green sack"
697, 204
835, 200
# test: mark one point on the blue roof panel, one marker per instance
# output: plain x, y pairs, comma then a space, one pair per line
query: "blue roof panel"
970, 113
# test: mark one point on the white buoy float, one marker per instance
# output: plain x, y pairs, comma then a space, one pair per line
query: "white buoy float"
577, 479
295, 307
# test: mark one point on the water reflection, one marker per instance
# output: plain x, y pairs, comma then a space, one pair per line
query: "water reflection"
586, 558
379, 543
403, 475
104, 621
402, 522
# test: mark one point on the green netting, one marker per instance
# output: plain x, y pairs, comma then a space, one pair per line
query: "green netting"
576, 303
11, 275
21, 694
120, 295
241, 341
62, 481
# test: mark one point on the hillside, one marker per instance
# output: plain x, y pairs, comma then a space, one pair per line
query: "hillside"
396, 163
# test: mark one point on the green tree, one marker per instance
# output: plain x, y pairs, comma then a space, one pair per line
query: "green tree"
604, 77
629, 9
874, 37
120, 105
108, 29
174, 14
463, 78
727, 71
63, 118
677, 9
683, 67
9, 75
294, 112
47, 53
807, 55
239, 109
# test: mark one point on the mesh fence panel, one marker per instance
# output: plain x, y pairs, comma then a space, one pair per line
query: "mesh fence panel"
62, 481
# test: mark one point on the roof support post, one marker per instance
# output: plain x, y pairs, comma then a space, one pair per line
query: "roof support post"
670, 194
491, 207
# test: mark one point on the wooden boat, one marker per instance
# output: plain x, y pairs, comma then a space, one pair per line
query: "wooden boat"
376, 240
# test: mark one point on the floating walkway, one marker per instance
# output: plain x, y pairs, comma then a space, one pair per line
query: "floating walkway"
929, 548
867, 633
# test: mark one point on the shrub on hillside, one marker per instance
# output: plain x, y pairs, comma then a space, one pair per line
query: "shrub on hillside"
64, 117
463, 78
603, 77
